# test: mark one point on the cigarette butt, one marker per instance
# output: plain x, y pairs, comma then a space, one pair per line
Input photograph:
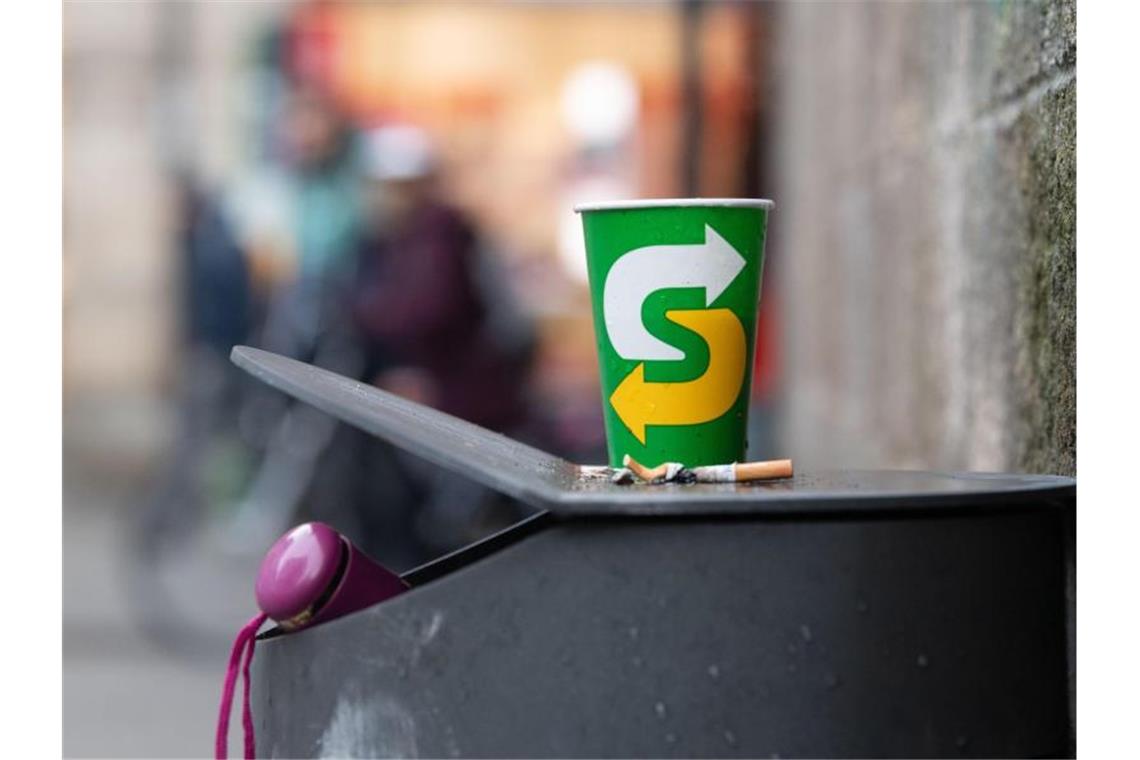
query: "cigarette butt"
623, 476
741, 472
648, 475
771, 470
715, 473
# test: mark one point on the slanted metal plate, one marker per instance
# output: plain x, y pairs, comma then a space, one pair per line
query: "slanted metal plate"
549, 482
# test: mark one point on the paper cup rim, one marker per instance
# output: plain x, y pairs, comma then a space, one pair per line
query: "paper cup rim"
675, 203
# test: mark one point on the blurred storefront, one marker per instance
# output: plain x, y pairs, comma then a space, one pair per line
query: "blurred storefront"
498, 87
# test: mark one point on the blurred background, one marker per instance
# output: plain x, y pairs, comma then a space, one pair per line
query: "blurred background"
270, 173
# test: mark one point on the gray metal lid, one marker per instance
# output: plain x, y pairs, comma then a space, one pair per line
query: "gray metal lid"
549, 482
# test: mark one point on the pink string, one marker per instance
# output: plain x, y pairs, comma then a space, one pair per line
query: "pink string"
246, 710
243, 645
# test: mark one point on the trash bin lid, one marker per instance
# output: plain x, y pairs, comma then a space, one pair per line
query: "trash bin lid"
551, 483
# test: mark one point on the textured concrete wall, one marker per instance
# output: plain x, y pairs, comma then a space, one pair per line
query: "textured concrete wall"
924, 234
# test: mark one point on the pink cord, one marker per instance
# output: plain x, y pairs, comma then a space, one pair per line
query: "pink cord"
243, 645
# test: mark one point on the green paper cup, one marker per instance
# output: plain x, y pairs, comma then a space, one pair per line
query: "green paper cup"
675, 286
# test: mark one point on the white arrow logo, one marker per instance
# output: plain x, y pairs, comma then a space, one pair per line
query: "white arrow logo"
711, 265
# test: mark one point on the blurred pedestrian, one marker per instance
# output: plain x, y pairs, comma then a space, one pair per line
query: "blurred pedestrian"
204, 466
214, 316
438, 328
325, 196
427, 314
309, 317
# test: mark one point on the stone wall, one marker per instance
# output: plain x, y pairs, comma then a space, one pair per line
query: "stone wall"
924, 233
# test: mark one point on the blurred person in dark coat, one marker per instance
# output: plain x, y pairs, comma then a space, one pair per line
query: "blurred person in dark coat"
203, 466
438, 323
431, 316
216, 278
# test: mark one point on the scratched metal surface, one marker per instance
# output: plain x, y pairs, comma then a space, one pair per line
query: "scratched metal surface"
549, 482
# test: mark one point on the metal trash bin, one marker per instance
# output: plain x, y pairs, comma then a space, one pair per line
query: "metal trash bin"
848, 614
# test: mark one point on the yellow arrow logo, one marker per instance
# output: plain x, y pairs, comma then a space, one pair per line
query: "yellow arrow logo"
639, 403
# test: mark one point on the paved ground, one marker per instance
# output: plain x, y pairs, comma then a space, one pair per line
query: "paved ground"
127, 694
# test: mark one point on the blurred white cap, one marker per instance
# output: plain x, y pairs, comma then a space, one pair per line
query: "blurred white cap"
398, 152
